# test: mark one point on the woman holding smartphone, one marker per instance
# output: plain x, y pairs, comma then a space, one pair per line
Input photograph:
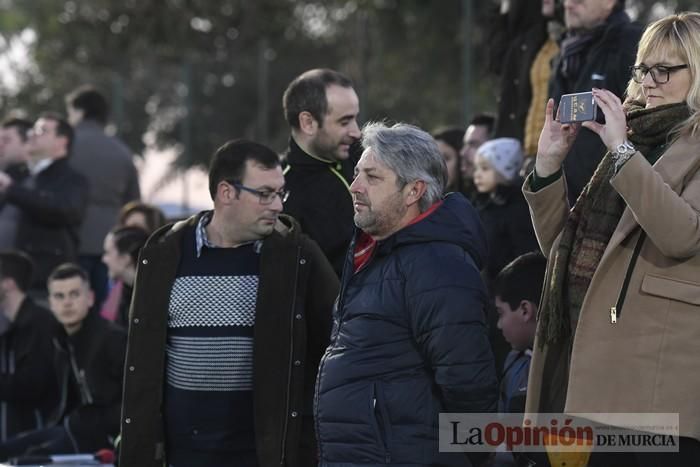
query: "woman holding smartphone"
619, 320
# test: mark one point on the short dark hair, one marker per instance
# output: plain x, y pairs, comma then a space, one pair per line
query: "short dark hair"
91, 101
67, 271
17, 266
452, 136
487, 120
129, 241
155, 218
521, 279
229, 161
307, 93
63, 128
20, 124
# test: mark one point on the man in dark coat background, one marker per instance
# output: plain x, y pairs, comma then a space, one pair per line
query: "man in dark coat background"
598, 50
230, 315
409, 336
28, 389
107, 163
89, 366
52, 200
321, 108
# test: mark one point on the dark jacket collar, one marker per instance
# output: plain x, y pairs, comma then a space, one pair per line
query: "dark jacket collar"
297, 156
454, 221
57, 166
286, 225
82, 335
90, 125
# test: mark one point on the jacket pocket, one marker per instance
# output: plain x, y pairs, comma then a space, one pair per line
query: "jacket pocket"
674, 289
380, 421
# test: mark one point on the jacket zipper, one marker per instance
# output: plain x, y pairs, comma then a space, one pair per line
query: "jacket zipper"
71, 436
291, 356
349, 263
379, 416
616, 310
341, 294
80, 378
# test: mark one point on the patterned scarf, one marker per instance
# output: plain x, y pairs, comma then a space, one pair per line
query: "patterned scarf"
593, 220
573, 50
577, 42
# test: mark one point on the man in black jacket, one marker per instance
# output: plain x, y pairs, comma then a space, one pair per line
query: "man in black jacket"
230, 314
89, 365
321, 108
52, 200
409, 335
27, 386
597, 52
14, 159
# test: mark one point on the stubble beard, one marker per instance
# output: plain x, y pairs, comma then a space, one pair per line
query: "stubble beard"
379, 223
323, 147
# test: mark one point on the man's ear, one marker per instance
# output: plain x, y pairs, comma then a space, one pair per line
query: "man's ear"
416, 190
528, 310
307, 123
225, 192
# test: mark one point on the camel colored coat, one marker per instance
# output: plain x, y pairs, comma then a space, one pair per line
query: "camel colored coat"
649, 361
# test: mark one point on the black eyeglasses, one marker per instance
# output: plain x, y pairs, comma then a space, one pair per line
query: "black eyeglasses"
265, 197
659, 73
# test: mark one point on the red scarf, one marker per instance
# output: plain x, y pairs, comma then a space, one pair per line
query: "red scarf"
365, 244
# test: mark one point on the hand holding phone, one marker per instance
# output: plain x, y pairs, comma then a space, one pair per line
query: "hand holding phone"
554, 144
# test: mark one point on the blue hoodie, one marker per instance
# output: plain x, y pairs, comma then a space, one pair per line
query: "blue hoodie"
409, 341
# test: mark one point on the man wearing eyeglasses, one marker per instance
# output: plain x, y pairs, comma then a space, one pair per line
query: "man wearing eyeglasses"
597, 51
230, 315
52, 200
321, 108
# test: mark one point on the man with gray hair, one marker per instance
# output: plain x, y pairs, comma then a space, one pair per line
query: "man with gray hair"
409, 338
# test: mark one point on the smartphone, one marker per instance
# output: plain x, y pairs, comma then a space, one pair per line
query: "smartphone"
578, 107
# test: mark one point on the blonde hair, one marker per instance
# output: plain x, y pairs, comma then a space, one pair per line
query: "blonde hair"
675, 35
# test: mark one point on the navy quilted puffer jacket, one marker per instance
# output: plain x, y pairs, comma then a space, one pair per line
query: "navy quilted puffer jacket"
409, 341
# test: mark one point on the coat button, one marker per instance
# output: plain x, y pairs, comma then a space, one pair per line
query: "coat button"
132, 368
511, 116
516, 81
302, 261
298, 316
295, 414
128, 420
136, 321
297, 362
144, 261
